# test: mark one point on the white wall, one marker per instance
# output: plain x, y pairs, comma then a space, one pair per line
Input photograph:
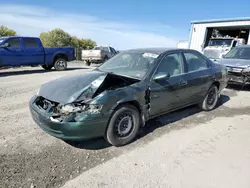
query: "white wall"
199, 31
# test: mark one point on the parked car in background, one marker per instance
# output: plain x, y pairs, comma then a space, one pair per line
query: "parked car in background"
237, 62
117, 98
29, 51
98, 54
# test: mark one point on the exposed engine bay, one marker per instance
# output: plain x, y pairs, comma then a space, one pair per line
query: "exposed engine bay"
112, 82
72, 112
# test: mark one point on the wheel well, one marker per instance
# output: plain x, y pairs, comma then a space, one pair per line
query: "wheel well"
134, 103
64, 56
217, 84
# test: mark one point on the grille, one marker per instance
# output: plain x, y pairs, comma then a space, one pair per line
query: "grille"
214, 54
235, 74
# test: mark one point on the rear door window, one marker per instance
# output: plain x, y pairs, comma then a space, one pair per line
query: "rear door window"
30, 43
195, 62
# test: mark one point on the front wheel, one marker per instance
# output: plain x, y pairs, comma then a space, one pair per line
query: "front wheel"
211, 99
47, 67
123, 126
60, 64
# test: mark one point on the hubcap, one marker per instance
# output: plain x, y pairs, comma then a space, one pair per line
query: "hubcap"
61, 64
124, 125
211, 97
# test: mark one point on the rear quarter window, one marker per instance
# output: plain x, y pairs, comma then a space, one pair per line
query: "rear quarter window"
195, 62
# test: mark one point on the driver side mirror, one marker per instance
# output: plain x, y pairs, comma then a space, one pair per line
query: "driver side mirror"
161, 76
5, 45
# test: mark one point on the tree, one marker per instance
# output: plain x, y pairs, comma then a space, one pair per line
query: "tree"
56, 38
87, 43
83, 43
5, 31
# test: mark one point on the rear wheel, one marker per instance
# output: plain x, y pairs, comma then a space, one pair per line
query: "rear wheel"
123, 126
60, 64
88, 63
105, 59
47, 67
211, 99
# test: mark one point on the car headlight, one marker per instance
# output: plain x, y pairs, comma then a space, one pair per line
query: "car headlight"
246, 70
81, 108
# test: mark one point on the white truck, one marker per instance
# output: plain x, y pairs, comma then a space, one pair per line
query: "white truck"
219, 46
98, 54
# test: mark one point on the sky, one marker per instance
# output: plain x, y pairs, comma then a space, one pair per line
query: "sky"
121, 24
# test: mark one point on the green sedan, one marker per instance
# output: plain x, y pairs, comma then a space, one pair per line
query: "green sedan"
117, 98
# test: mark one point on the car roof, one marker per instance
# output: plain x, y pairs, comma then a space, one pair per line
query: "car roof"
16, 37
150, 50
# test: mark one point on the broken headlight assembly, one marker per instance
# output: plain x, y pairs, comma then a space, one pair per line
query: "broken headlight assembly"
246, 70
80, 108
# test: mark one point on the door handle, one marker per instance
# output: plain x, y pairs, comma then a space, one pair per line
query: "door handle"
183, 83
18, 50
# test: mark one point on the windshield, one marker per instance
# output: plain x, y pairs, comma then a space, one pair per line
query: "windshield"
220, 42
1, 40
238, 53
131, 64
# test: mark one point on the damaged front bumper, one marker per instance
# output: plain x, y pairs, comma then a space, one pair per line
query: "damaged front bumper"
89, 125
238, 77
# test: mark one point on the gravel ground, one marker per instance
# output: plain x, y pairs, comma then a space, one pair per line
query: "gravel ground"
183, 141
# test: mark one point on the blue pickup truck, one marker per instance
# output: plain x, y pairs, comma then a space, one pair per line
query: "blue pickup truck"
29, 51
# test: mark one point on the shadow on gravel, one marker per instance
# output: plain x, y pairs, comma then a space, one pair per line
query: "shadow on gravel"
238, 87
172, 117
93, 144
17, 72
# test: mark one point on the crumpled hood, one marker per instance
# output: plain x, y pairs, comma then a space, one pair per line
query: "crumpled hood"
67, 89
240, 63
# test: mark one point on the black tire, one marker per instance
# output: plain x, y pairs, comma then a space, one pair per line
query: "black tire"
60, 64
47, 67
105, 59
88, 63
123, 125
211, 100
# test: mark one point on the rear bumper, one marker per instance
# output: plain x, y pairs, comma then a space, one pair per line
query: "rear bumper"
92, 59
91, 126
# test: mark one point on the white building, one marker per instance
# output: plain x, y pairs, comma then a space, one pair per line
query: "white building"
201, 31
